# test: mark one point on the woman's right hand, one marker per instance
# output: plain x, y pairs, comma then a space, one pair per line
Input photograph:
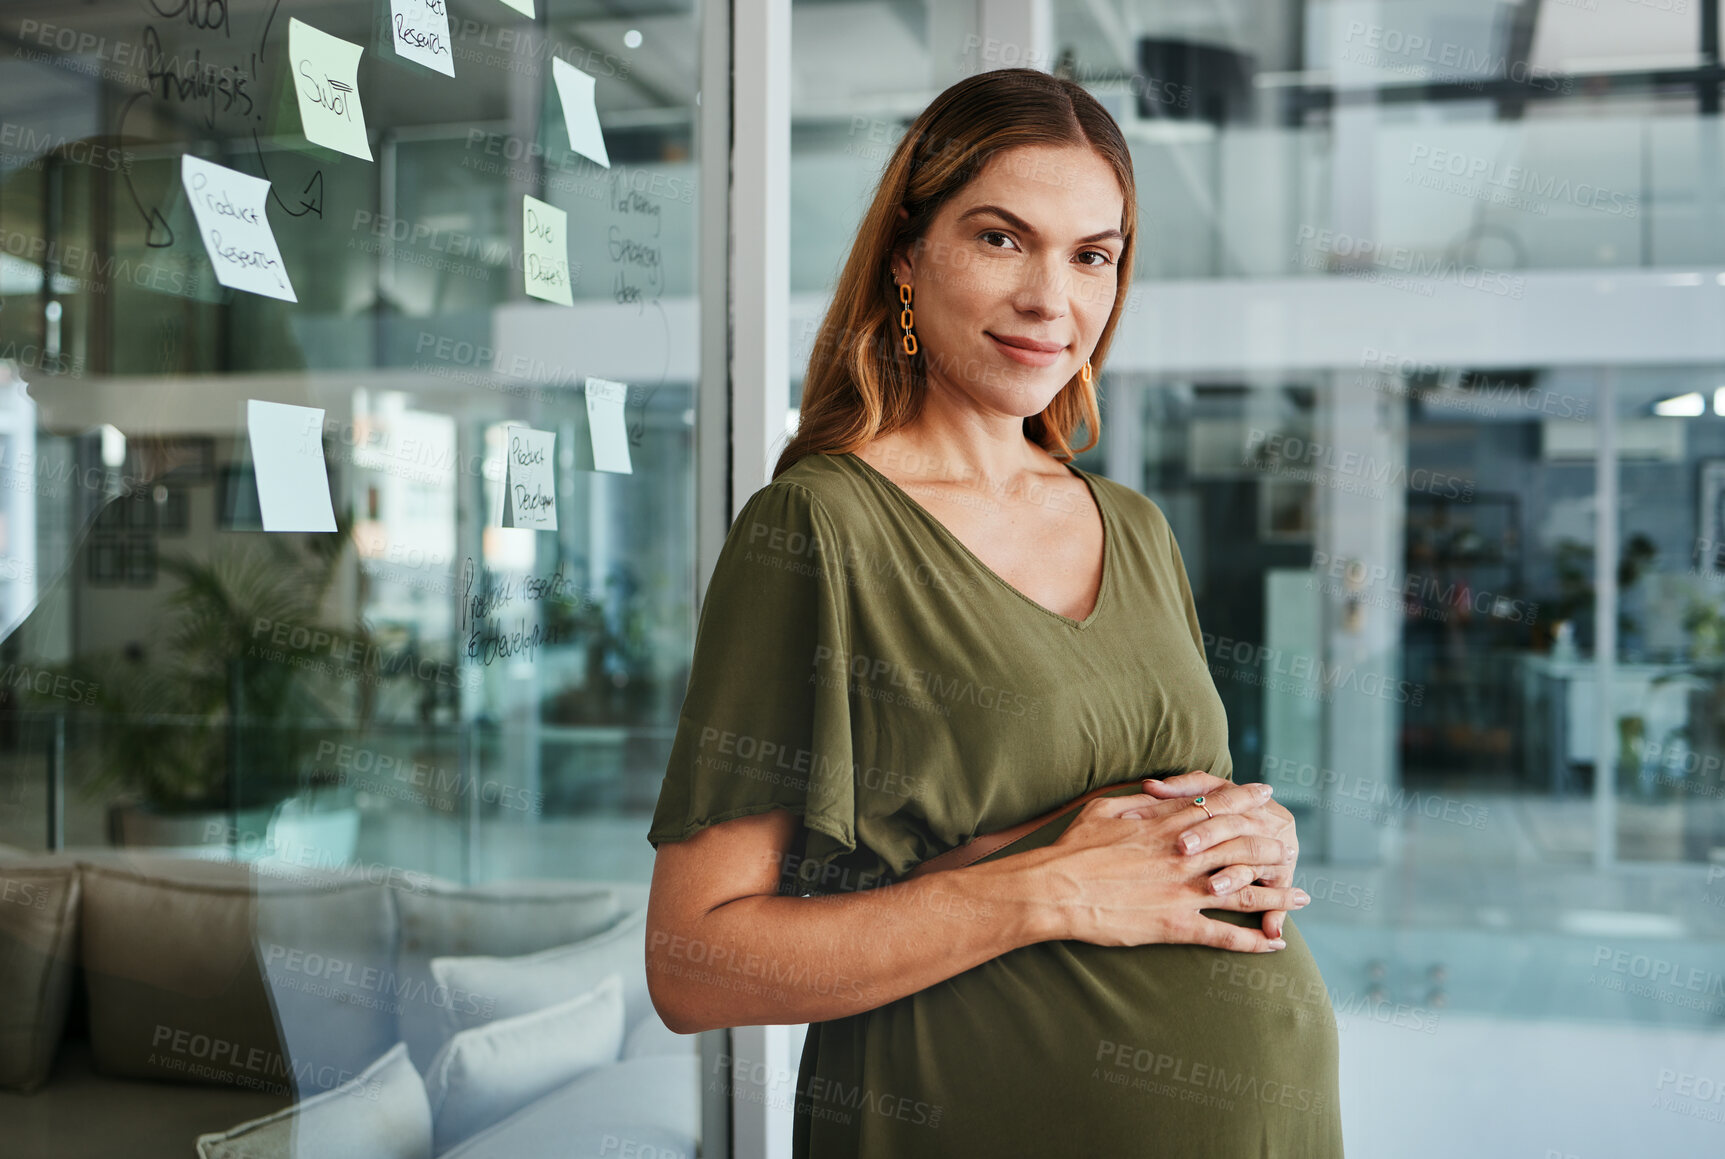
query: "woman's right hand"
1118, 878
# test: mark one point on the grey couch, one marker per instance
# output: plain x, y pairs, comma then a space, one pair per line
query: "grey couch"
168, 1006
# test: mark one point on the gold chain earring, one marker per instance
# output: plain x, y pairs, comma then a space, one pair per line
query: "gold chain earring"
1084, 374
904, 318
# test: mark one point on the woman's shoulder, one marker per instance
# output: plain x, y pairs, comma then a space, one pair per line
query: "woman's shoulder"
817, 481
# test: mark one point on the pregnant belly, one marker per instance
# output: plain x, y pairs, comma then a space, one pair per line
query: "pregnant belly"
1067, 1048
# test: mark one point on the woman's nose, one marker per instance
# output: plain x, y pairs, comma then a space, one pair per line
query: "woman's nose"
1042, 289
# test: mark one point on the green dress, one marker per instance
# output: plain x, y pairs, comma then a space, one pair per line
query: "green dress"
856, 664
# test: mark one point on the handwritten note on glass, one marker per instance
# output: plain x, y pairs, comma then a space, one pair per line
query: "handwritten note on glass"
580, 114
605, 401
419, 29
326, 76
287, 454
530, 480
545, 251
229, 208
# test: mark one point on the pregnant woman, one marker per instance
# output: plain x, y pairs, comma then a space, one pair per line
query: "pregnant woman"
929, 627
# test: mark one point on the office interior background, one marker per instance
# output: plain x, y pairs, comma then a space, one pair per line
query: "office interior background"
1424, 359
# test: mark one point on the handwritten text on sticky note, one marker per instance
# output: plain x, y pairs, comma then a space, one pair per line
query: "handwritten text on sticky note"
419, 30
545, 251
326, 76
605, 401
530, 479
229, 208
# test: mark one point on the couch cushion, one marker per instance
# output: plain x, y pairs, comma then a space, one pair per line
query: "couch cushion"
651, 1036
380, 1114
83, 1114
38, 937
488, 1073
504, 918
505, 987
216, 972
645, 1108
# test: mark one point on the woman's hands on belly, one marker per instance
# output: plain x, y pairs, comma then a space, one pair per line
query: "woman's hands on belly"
1189, 785
1117, 875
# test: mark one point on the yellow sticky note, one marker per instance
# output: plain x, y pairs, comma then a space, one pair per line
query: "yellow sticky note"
605, 400
420, 31
525, 7
580, 114
287, 453
530, 480
326, 75
545, 251
230, 209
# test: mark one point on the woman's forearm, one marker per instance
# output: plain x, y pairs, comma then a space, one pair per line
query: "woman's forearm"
773, 959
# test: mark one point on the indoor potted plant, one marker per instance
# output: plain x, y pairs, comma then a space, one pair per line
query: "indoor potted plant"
205, 731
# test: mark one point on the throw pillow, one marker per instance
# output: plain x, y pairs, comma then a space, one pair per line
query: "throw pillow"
487, 1073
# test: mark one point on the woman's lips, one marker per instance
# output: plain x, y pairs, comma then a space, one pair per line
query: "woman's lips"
1027, 356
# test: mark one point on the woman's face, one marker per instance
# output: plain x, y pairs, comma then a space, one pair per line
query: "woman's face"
1016, 277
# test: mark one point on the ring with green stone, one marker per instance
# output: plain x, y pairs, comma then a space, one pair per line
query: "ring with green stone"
1199, 801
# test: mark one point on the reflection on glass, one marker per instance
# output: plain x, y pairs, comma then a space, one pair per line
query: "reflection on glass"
285, 788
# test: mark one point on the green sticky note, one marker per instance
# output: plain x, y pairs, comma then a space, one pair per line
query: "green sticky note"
545, 251
325, 72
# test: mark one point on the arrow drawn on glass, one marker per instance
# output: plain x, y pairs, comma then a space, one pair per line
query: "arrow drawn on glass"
157, 233
309, 202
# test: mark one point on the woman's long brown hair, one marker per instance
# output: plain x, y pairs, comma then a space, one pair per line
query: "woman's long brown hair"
860, 383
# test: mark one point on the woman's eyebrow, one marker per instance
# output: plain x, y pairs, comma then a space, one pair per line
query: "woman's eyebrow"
1023, 226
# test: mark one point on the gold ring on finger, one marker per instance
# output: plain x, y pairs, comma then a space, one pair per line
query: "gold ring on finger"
1199, 801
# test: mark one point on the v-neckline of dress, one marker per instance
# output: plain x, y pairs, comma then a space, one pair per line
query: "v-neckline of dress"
946, 533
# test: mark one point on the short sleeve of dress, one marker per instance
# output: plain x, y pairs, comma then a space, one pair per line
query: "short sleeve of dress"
760, 728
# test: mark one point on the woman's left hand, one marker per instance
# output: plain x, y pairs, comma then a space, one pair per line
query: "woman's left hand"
1196, 784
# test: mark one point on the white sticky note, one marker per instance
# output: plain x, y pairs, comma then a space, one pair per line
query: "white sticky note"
231, 211
545, 251
525, 7
580, 114
287, 454
326, 75
605, 401
419, 29
530, 479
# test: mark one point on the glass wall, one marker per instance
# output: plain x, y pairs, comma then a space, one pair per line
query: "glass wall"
347, 585
1422, 363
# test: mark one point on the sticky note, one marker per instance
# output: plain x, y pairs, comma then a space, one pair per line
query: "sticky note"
525, 7
530, 479
605, 401
287, 454
419, 29
230, 210
580, 114
545, 251
326, 76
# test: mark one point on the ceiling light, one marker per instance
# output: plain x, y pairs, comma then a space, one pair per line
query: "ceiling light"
1682, 406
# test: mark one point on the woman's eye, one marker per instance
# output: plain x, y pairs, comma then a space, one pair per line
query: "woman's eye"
988, 233
1106, 260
